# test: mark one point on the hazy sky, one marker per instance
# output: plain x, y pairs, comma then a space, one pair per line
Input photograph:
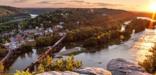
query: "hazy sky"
140, 5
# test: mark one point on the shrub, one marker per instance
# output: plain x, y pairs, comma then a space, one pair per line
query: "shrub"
90, 42
23, 73
40, 68
150, 62
67, 64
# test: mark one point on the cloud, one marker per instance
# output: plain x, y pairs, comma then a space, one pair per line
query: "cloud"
39, 1
31, 1
77, 1
80, 1
61, 3
58, 3
97, 4
44, 2
50, 2
20, 1
107, 4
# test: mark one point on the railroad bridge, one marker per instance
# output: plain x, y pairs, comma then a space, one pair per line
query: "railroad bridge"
13, 54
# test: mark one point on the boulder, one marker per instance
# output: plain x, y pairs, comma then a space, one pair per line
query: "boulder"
122, 67
84, 71
59, 73
93, 71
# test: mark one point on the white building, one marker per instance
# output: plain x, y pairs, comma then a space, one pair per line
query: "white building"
61, 23
59, 26
33, 15
50, 30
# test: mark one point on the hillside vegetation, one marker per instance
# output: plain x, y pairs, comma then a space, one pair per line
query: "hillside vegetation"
6, 10
88, 27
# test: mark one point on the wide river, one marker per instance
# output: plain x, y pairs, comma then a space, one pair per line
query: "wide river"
134, 50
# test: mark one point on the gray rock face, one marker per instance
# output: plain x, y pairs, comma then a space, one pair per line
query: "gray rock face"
59, 73
93, 71
122, 67
116, 66
84, 71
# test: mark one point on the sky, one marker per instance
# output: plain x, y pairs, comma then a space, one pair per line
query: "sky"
134, 5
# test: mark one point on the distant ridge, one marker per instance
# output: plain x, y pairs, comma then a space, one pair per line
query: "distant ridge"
8, 10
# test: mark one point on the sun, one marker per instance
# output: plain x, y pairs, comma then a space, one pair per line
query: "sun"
152, 7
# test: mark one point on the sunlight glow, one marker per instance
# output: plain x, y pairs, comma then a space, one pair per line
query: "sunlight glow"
144, 45
152, 7
153, 18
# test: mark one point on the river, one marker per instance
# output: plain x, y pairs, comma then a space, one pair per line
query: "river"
134, 50
137, 46
23, 61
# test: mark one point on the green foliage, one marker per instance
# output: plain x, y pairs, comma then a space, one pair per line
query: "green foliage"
93, 36
138, 25
46, 40
26, 47
67, 64
8, 27
150, 62
70, 63
40, 68
90, 42
23, 73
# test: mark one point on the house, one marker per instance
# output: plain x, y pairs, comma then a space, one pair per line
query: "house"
61, 23
33, 15
59, 26
50, 30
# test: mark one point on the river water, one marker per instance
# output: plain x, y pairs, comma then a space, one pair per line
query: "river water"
23, 61
133, 50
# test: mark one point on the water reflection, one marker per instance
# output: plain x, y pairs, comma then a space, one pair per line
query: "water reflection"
136, 49
23, 61
101, 58
144, 44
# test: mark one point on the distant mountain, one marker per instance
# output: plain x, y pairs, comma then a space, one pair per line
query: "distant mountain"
45, 10
38, 10
7, 11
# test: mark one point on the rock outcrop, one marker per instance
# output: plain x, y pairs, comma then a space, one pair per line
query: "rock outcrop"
93, 71
122, 67
59, 73
84, 71
115, 67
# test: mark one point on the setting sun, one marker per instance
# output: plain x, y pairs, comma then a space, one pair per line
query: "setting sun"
152, 7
